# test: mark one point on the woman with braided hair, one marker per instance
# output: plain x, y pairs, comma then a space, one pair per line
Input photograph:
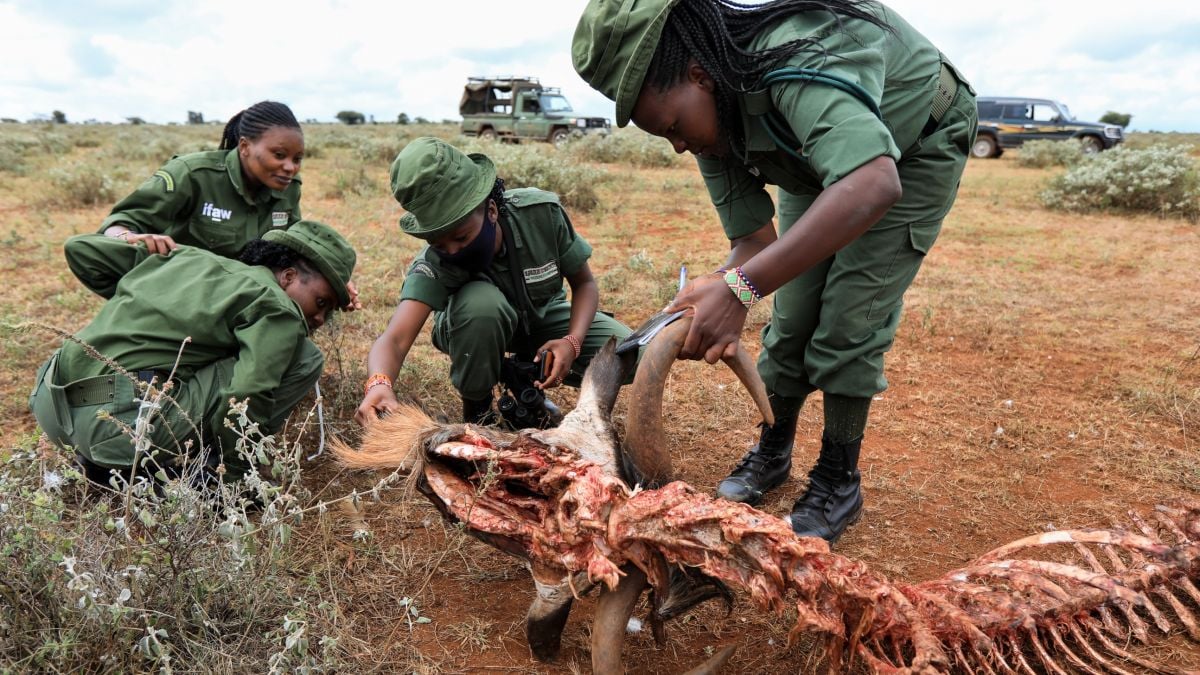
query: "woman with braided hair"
222, 199
218, 200
864, 127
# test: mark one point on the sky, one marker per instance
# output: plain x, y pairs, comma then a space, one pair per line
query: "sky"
158, 59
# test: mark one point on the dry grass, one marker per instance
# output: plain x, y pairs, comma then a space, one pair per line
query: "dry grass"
1046, 372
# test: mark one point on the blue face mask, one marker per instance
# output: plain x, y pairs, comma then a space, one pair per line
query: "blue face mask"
477, 255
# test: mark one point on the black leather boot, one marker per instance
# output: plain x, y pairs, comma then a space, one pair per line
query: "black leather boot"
833, 500
769, 462
479, 411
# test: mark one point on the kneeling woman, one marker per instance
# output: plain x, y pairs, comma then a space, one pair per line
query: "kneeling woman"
493, 273
224, 329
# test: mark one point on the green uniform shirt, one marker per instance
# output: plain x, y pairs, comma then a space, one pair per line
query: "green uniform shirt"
836, 131
227, 308
547, 247
200, 200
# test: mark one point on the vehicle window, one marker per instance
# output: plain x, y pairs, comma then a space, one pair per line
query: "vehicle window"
1016, 111
529, 104
552, 103
1043, 112
989, 109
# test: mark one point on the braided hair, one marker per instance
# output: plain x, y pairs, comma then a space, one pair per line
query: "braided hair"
276, 256
254, 121
716, 34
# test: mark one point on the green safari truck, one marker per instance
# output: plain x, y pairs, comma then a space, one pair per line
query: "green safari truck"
520, 108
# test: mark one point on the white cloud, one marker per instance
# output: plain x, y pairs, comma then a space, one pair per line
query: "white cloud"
159, 59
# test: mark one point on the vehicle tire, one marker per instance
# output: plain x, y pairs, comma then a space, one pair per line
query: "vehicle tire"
559, 136
488, 133
985, 146
1091, 145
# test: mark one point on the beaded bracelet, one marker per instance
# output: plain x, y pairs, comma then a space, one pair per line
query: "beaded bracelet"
376, 379
740, 285
574, 343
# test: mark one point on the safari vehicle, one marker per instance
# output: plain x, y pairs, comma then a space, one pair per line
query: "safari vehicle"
1007, 122
518, 108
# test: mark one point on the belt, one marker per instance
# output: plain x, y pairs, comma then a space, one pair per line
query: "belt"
947, 89
101, 389
90, 391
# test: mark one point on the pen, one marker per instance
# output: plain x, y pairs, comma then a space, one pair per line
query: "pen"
682, 276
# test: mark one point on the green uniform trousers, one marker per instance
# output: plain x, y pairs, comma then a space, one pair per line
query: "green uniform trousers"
831, 326
479, 326
70, 417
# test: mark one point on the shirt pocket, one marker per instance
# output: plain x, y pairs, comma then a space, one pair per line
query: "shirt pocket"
223, 232
543, 282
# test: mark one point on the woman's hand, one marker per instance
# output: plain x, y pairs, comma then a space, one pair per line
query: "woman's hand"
561, 354
155, 243
354, 301
719, 318
379, 400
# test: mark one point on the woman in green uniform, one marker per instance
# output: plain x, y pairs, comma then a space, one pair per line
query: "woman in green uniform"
222, 199
231, 330
864, 127
493, 275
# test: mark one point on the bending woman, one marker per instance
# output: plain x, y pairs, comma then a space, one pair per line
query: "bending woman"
864, 126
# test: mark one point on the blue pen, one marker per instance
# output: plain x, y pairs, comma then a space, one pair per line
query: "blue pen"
682, 276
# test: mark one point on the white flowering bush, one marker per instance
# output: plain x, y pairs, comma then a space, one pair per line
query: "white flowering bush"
159, 575
1161, 179
1043, 154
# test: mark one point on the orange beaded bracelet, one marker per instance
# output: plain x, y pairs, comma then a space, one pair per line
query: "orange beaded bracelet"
377, 378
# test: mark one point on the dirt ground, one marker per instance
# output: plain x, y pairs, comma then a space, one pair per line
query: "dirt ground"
1046, 374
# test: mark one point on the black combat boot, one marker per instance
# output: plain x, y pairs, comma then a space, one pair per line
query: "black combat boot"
479, 411
769, 462
833, 500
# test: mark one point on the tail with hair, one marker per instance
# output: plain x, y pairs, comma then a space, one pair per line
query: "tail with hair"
393, 441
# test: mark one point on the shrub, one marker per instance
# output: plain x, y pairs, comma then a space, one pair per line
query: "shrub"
13, 153
81, 184
154, 574
381, 150
1043, 154
539, 165
352, 181
1160, 179
635, 148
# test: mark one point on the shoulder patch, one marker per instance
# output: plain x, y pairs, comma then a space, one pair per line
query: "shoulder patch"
167, 179
521, 197
423, 269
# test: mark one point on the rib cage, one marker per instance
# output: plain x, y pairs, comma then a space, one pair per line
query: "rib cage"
1056, 602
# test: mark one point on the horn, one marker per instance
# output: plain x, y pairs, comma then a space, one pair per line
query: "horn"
613, 610
645, 441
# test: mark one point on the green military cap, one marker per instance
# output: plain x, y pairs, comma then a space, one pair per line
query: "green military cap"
613, 45
321, 245
438, 185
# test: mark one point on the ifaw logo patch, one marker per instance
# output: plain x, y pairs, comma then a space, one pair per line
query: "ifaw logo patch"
216, 213
279, 218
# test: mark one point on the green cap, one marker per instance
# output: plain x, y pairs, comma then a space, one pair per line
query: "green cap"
321, 245
438, 185
613, 45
